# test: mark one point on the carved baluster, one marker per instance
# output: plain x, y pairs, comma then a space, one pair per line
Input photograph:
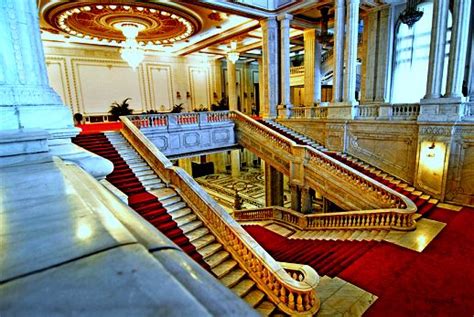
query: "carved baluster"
283, 295
291, 301
307, 301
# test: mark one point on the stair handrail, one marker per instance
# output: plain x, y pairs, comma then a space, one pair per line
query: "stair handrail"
358, 219
291, 296
397, 201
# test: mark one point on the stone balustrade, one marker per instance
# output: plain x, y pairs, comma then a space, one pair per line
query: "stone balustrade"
365, 112
309, 112
320, 171
294, 297
391, 219
170, 121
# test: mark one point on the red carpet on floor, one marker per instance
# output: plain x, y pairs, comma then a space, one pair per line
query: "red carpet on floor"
144, 203
327, 257
437, 282
91, 128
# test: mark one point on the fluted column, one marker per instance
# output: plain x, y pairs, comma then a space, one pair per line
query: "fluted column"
458, 48
232, 85
350, 57
338, 68
285, 99
437, 49
312, 68
269, 80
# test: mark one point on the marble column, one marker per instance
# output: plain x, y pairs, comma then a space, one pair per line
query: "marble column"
269, 80
378, 38
261, 99
232, 85
350, 49
306, 200
217, 69
338, 68
235, 163
285, 98
437, 49
295, 197
470, 87
27, 102
312, 68
458, 48
273, 186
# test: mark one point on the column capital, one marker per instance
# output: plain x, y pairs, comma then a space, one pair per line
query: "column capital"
285, 16
269, 22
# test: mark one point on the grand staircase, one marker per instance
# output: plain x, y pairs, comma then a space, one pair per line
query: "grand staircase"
164, 208
423, 202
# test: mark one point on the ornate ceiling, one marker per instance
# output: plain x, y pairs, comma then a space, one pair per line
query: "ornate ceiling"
160, 24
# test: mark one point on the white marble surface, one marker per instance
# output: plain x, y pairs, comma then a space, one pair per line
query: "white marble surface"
124, 281
44, 221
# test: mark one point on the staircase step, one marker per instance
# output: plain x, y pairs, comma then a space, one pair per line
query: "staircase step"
164, 193
233, 277
217, 258
191, 226
180, 212
254, 297
204, 241
176, 206
171, 201
185, 220
243, 287
224, 268
266, 308
210, 249
197, 233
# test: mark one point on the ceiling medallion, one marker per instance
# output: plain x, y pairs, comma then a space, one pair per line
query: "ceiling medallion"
97, 22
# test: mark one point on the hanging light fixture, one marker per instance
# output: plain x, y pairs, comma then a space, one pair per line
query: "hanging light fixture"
233, 55
411, 14
131, 51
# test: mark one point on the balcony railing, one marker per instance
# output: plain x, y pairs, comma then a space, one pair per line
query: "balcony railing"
309, 112
179, 120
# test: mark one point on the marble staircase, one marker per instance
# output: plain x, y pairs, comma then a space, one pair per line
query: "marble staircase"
423, 201
219, 261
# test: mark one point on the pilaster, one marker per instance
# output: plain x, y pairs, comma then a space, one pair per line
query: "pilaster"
285, 101
269, 80
350, 72
235, 163
338, 51
273, 186
232, 82
312, 68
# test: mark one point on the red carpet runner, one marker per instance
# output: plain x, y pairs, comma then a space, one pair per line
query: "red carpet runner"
327, 257
144, 203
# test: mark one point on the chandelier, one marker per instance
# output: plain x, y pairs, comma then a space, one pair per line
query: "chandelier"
131, 52
411, 14
233, 55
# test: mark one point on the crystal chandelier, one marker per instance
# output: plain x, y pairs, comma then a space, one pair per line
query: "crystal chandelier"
233, 55
411, 14
131, 51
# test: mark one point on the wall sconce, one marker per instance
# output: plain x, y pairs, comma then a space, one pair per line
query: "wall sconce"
178, 95
215, 95
188, 94
431, 152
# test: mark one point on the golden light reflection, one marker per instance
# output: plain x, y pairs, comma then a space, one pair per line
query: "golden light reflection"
432, 156
84, 230
421, 240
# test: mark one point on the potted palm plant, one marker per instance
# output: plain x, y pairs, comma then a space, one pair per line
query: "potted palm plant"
120, 109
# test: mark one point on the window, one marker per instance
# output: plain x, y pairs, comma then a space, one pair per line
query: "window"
412, 51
